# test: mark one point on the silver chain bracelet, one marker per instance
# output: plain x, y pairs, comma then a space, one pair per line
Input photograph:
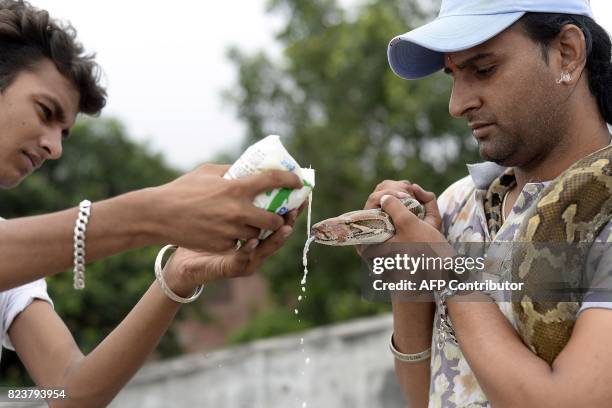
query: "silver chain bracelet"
80, 227
446, 331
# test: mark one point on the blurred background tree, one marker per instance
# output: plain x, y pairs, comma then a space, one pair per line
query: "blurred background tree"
342, 110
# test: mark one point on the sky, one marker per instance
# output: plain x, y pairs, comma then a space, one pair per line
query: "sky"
165, 65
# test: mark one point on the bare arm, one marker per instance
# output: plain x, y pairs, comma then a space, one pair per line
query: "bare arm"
198, 210
412, 320
512, 376
412, 332
48, 351
116, 225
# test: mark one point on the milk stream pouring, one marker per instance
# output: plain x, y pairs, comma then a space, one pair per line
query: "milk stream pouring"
266, 155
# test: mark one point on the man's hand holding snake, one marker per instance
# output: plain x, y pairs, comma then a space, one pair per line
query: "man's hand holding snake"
408, 227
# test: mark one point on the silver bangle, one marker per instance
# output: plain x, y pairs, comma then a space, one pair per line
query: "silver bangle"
80, 227
408, 358
160, 278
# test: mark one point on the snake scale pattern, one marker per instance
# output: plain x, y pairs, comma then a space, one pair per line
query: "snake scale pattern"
362, 227
572, 210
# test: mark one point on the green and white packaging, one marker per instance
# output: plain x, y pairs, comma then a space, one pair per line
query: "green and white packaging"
266, 155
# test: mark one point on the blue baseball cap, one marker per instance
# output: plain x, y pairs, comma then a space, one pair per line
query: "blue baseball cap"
463, 24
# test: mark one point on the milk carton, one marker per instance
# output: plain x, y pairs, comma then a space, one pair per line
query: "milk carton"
266, 155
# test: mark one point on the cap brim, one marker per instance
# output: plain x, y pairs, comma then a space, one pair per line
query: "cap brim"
420, 52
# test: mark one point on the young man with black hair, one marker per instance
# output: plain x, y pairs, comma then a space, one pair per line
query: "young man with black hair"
533, 80
45, 81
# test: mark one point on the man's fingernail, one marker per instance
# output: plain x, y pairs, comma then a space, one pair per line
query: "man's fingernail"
253, 244
401, 194
384, 198
287, 233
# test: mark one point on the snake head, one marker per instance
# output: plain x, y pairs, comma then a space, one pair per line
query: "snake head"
360, 227
356, 227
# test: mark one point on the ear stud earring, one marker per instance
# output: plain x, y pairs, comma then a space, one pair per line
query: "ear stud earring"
565, 77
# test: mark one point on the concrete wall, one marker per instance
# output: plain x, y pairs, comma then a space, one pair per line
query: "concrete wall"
347, 365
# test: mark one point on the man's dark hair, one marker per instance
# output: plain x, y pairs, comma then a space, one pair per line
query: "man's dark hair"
543, 28
29, 35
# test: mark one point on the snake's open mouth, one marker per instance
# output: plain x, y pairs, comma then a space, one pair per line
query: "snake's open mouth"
344, 231
329, 232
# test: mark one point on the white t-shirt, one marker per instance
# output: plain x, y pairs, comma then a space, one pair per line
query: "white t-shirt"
14, 301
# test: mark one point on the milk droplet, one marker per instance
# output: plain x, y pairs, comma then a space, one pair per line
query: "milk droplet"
296, 311
307, 361
309, 241
299, 298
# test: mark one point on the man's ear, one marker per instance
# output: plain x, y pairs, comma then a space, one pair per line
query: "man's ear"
571, 52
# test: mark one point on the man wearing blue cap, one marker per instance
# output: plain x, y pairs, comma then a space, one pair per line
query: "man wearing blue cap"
533, 79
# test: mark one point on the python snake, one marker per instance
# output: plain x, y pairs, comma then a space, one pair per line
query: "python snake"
573, 209
361, 227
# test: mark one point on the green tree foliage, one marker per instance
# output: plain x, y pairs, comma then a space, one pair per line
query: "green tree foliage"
342, 110
99, 161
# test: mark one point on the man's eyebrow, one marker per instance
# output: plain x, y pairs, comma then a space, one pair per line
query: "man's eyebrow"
59, 113
469, 61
